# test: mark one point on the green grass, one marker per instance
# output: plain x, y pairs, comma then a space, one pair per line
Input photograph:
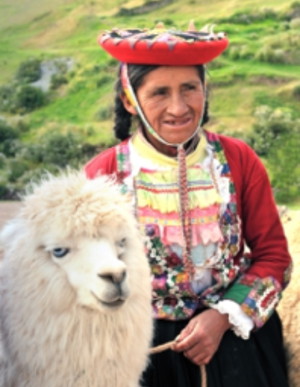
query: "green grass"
85, 97
238, 81
295, 205
60, 28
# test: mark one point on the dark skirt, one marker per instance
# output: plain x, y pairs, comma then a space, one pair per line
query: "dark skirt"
256, 362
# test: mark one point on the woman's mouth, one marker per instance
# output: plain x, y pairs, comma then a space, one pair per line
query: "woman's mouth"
178, 123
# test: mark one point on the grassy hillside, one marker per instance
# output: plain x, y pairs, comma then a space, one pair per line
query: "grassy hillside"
261, 66
69, 28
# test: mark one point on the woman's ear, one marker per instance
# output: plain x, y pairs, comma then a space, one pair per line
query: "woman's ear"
127, 104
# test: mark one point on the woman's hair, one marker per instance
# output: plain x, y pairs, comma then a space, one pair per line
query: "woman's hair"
136, 74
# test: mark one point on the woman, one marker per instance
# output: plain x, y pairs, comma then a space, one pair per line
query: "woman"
199, 197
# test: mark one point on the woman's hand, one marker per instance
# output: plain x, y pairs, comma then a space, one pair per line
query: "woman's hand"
201, 338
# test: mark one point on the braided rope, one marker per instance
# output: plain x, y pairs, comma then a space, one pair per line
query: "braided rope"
184, 211
168, 345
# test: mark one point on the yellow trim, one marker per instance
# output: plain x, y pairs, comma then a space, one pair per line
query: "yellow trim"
144, 149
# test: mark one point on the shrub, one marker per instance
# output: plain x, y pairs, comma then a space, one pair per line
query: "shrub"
7, 132
62, 149
269, 128
104, 113
35, 175
240, 52
233, 52
10, 147
33, 152
88, 151
125, 12
283, 162
57, 80
295, 23
16, 168
104, 80
296, 91
270, 55
217, 64
168, 22
248, 17
62, 65
29, 71
276, 137
2, 161
293, 11
7, 93
29, 98
22, 126
8, 139
4, 191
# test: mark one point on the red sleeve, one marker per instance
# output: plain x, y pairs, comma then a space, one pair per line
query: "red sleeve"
258, 289
261, 225
104, 163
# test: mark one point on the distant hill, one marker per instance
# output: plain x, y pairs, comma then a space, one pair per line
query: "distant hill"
261, 66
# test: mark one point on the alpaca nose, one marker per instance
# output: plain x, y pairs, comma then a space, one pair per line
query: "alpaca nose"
116, 278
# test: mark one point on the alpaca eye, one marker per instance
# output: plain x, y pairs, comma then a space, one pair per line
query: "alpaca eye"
122, 242
60, 252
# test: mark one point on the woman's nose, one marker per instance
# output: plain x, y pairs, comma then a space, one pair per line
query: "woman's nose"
177, 105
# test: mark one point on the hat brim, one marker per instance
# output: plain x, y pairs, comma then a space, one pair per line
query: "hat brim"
160, 53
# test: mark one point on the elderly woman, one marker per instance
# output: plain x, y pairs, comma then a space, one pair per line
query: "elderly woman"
200, 198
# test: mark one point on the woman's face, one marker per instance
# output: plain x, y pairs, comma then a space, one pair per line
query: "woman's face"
172, 99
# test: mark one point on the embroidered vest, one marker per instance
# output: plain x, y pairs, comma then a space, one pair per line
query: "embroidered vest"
175, 297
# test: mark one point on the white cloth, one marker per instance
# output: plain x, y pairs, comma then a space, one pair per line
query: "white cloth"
241, 323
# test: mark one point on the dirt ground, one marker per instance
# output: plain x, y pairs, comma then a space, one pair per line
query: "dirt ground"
7, 210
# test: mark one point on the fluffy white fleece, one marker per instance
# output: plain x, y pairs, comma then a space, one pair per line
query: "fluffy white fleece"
289, 307
75, 303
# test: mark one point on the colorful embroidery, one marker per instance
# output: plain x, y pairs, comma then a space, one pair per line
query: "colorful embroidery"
213, 210
123, 165
262, 298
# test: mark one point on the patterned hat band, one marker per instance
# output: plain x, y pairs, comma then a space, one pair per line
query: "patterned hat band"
161, 46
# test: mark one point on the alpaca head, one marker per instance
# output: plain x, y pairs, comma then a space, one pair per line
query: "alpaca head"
96, 268
84, 238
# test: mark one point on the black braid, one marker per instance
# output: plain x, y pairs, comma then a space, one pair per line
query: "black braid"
122, 120
136, 73
205, 117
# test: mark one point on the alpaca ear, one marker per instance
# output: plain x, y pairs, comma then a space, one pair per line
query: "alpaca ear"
128, 105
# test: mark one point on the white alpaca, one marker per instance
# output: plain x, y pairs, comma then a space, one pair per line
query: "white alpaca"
75, 303
289, 307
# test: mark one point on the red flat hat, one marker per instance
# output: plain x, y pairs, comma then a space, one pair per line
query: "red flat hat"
163, 47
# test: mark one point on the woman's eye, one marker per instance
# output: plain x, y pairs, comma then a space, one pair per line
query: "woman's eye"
189, 87
60, 252
161, 91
